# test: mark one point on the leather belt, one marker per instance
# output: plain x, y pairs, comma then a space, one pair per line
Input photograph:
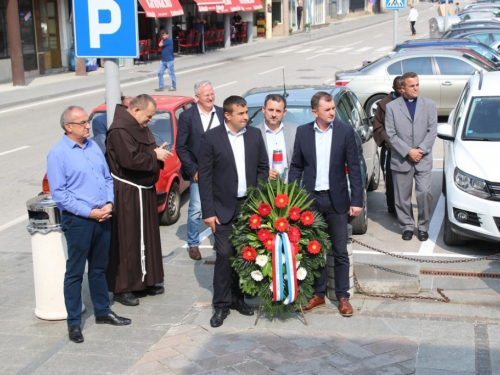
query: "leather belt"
322, 191
241, 198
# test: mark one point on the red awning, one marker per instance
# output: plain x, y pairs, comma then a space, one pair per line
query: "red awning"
208, 5
231, 6
162, 8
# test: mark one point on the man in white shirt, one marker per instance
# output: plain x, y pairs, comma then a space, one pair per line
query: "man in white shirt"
412, 17
278, 135
192, 124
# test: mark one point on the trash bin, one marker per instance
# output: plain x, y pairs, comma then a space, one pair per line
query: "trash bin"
437, 26
49, 257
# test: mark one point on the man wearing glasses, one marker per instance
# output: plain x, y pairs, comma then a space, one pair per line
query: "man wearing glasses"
192, 124
83, 190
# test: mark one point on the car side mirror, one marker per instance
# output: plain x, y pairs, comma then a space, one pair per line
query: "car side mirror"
445, 132
365, 132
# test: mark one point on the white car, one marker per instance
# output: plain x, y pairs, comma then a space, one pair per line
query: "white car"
471, 171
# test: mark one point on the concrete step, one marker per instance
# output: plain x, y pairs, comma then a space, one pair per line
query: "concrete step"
389, 277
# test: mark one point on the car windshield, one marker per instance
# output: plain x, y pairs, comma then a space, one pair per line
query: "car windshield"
483, 119
298, 115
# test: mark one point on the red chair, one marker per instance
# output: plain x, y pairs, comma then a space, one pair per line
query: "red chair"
209, 39
196, 43
147, 50
188, 45
243, 32
142, 50
234, 33
220, 37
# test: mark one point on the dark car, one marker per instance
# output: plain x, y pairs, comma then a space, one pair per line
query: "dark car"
164, 128
480, 48
349, 110
461, 28
484, 36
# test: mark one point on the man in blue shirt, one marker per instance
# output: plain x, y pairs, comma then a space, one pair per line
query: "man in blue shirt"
82, 187
167, 61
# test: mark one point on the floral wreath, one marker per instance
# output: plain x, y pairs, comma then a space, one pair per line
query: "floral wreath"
279, 246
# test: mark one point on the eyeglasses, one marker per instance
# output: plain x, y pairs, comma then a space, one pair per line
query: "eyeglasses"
81, 123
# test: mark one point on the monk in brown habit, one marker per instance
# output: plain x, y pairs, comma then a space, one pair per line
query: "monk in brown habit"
135, 161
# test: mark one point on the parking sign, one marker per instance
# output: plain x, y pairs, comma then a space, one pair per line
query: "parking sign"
106, 28
395, 4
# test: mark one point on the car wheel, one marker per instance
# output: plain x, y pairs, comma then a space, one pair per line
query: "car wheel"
371, 105
172, 210
374, 181
360, 222
450, 238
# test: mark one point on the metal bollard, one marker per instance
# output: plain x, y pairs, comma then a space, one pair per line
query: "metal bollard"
49, 257
330, 273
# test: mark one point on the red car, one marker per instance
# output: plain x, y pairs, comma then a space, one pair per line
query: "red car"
171, 185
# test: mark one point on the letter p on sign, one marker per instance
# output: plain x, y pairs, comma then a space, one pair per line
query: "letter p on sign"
96, 27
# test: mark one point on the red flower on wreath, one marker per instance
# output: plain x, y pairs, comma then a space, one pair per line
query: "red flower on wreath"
254, 221
268, 244
281, 224
264, 209
314, 247
294, 234
294, 213
263, 235
307, 218
296, 248
281, 200
249, 253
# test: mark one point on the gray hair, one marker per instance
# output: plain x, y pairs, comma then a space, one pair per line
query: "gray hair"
142, 102
67, 115
198, 84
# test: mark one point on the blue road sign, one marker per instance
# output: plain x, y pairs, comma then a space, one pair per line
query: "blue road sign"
395, 4
106, 28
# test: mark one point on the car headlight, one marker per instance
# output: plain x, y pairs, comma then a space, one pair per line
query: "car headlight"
471, 184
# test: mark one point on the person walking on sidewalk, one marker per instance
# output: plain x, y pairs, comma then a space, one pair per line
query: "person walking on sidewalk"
322, 150
167, 61
192, 124
232, 158
411, 126
82, 187
300, 9
412, 18
380, 136
135, 162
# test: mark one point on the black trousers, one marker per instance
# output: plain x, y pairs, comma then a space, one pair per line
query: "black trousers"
385, 163
337, 230
226, 280
412, 27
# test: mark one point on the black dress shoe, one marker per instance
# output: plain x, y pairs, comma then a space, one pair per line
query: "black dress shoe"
127, 299
242, 307
112, 319
155, 290
75, 334
219, 316
422, 236
391, 210
407, 235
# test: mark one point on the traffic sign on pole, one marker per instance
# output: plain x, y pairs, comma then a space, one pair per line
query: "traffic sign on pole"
106, 28
395, 4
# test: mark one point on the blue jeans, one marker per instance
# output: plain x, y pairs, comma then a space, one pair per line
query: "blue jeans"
87, 239
194, 215
164, 65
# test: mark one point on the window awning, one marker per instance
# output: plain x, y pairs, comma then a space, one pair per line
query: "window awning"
208, 5
162, 8
250, 5
231, 6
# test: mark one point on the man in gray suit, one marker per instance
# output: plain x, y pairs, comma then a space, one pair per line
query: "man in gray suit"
411, 126
277, 135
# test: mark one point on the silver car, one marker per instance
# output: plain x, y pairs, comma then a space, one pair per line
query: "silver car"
442, 74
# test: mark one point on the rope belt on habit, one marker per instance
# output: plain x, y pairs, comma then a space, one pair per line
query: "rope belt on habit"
143, 247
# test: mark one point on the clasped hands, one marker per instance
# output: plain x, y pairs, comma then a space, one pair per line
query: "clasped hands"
103, 213
415, 155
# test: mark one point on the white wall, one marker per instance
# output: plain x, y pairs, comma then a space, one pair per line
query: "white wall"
5, 71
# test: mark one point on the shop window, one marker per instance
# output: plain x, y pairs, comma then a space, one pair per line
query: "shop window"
277, 12
4, 46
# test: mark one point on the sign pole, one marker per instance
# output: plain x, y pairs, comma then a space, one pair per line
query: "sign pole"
395, 29
113, 94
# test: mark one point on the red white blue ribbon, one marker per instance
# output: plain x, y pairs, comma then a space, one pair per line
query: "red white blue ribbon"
283, 250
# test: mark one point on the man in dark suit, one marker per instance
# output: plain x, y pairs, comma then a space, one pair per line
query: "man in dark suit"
411, 126
232, 158
322, 150
192, 124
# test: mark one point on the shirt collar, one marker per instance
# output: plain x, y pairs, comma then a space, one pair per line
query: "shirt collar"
280, 129
228, 131
410, 100
203, 113
316, 127
72, 144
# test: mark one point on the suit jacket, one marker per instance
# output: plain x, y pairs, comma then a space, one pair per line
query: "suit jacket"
289, 131
189, 131
217, 174
344, 151
379, 133
405, 134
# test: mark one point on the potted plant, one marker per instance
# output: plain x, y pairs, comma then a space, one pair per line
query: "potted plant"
275, 23
290, 30
307, 27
